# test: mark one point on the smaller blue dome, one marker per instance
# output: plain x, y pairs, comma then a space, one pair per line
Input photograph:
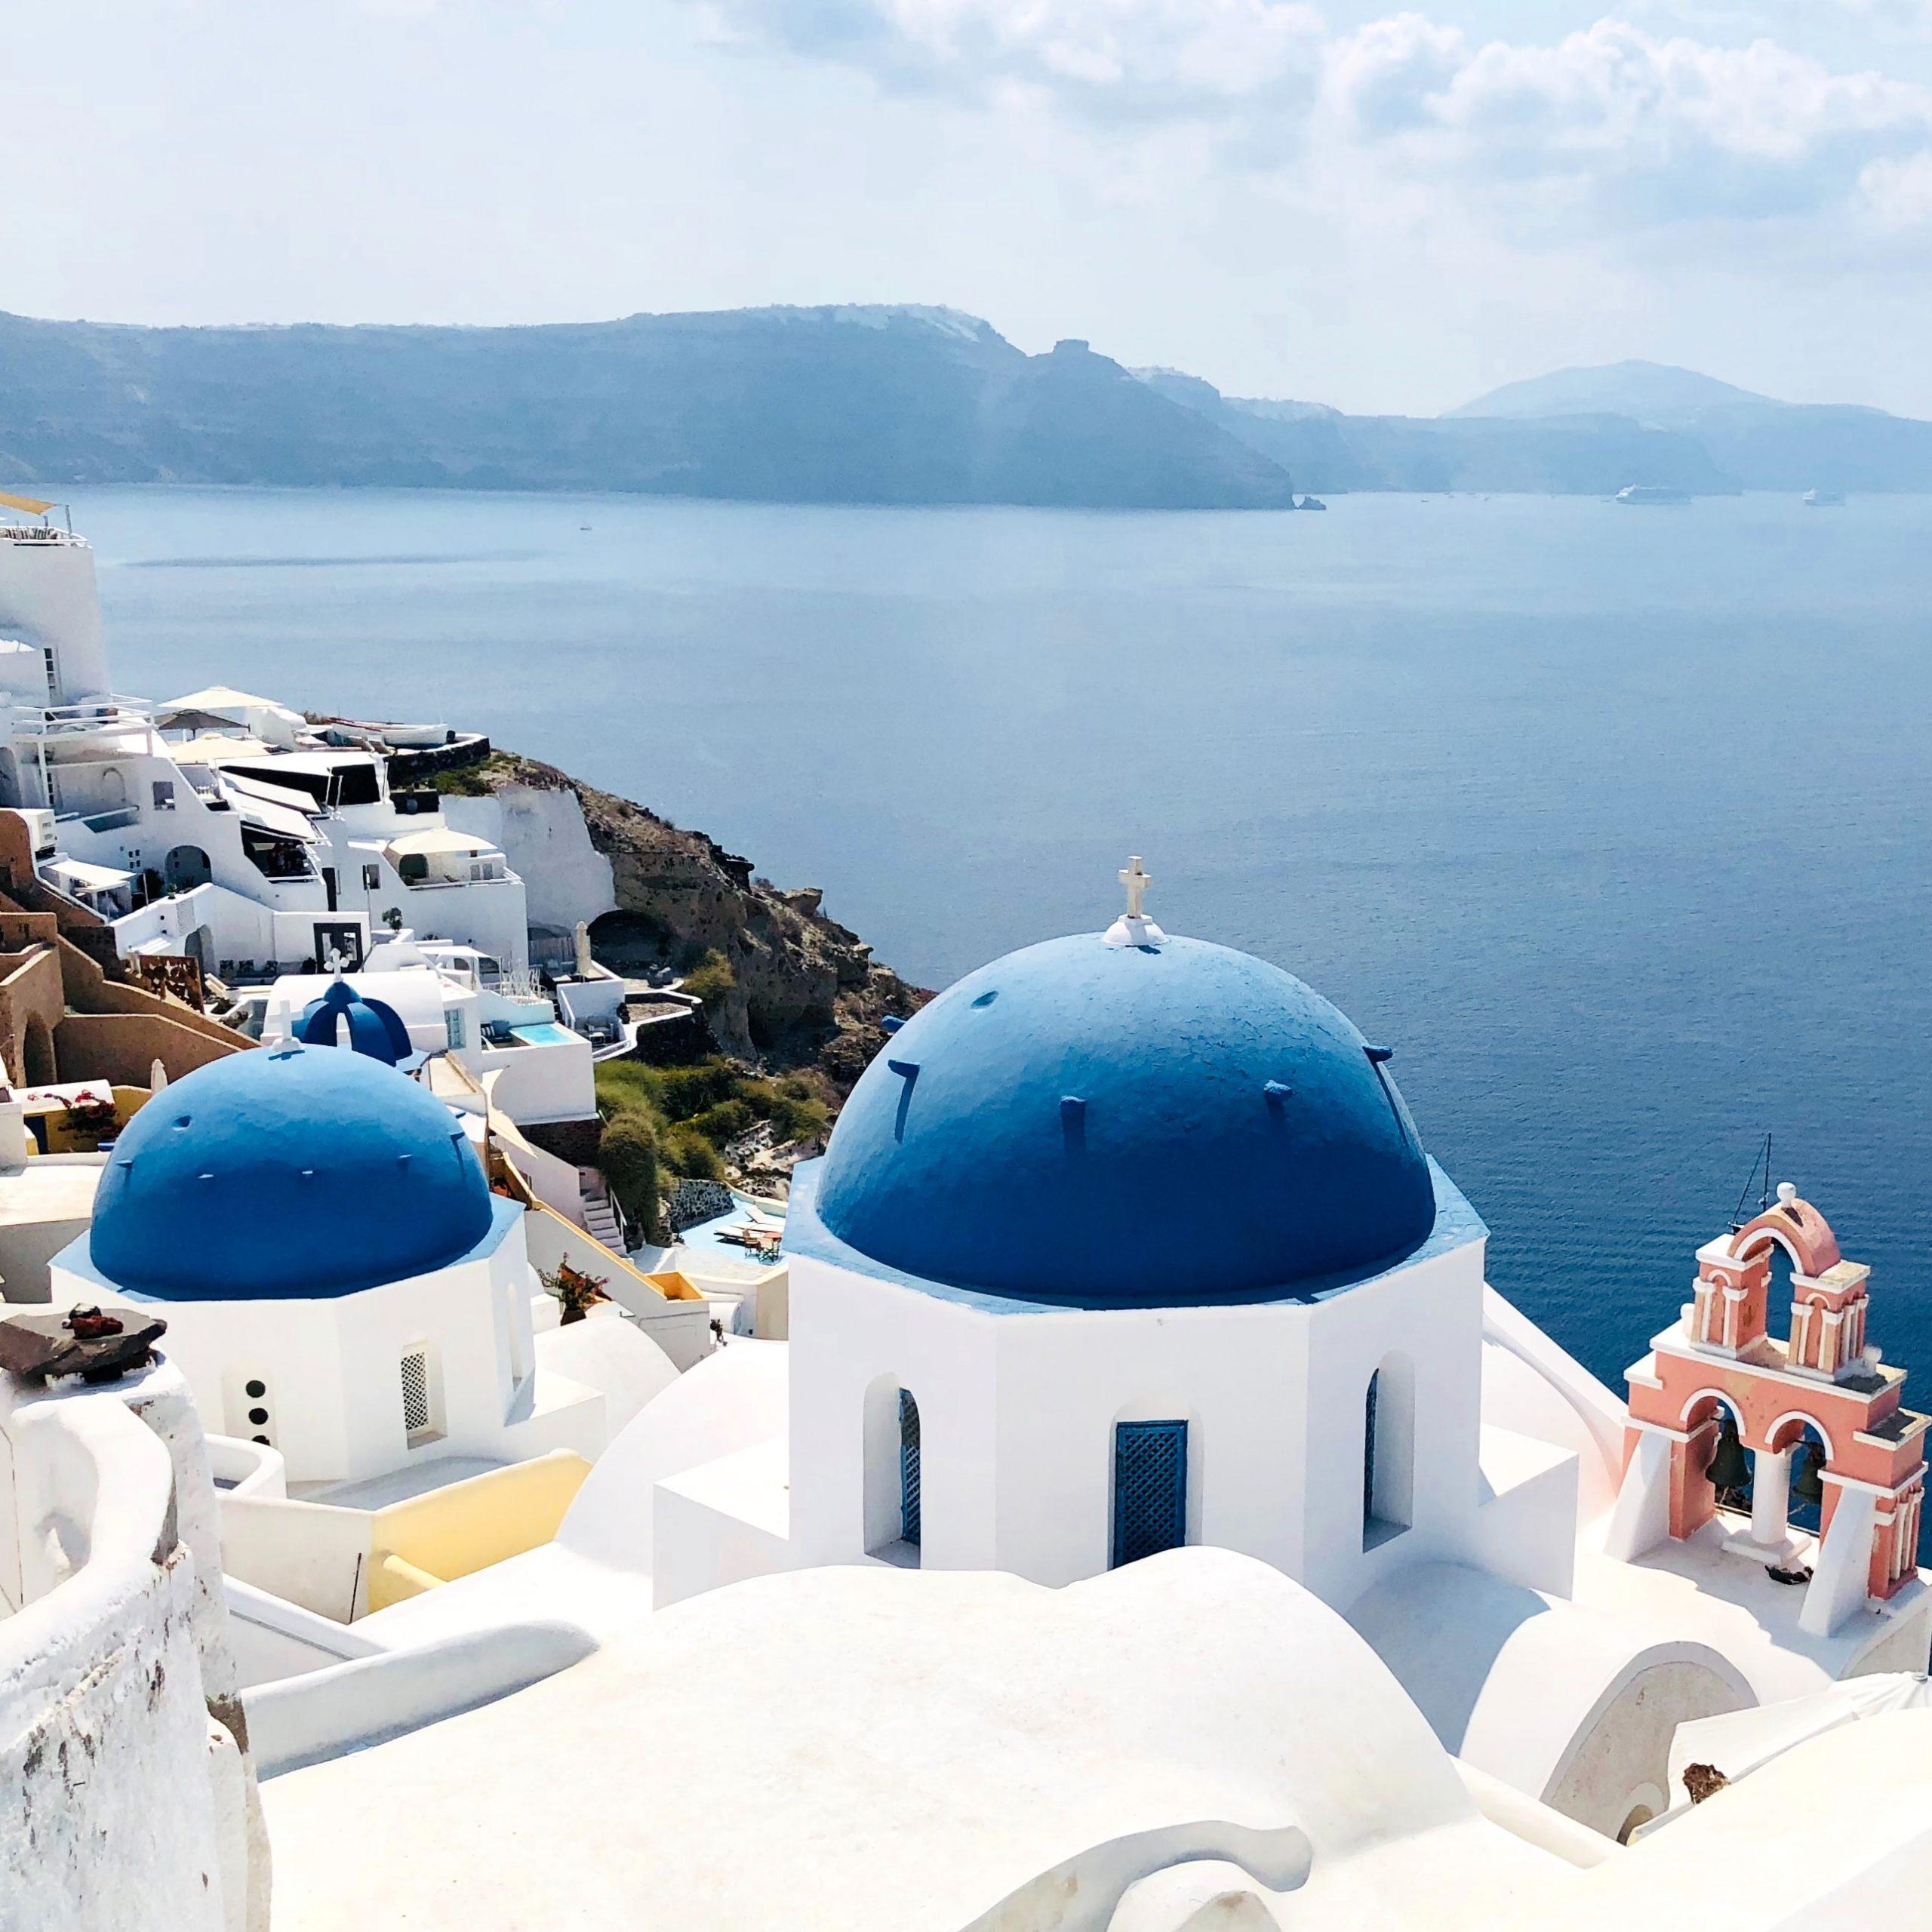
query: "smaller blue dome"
342, 1016
287, 1172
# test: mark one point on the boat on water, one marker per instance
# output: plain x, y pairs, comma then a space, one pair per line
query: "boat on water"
1311, 503
1651, 493
1824, 499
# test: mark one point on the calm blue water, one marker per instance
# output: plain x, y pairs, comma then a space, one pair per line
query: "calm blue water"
1614, 822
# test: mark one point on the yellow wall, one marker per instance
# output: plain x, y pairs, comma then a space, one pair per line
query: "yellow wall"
466, 1526
63, 1139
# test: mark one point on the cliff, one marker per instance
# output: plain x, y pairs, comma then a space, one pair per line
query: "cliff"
895, 405
788, 985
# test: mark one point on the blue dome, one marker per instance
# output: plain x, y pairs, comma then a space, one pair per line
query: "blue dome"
289, 1172
373, 1027
1126, 1125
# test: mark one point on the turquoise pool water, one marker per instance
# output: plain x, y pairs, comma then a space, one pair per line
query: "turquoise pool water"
544, 1033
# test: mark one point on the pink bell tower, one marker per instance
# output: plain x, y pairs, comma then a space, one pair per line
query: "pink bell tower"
1720, 1364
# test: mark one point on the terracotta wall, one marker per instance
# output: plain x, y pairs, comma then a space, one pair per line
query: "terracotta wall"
123, 1047
31, 999
126, 1028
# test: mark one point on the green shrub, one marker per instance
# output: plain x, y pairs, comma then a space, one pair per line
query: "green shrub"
710, 981
682, 1091
623, 1085
802, 1120
724, 1122
691, 1156
627, 1156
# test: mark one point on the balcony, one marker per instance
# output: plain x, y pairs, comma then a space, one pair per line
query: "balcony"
115, 820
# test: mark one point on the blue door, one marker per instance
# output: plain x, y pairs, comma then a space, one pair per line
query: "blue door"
908, 1467
1150, 1489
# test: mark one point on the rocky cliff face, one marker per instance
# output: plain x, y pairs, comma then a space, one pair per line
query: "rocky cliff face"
798, 989
868, 404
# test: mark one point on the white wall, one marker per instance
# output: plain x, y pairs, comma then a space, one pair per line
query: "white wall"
123, 1802
538, 1082
1017, 1414
1430, 1313
543, 836
48, 597
1570, 1705
332, 1366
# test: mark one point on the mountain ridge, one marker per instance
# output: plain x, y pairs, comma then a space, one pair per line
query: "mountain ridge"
885, 403
1640, 390
876, 404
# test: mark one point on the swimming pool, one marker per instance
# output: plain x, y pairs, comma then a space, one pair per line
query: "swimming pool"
544, 1033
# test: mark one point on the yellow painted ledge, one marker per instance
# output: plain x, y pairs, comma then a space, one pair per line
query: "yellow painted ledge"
466, 1526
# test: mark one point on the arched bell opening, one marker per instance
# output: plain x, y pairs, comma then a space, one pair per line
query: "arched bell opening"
1720, 1456
1807, 1454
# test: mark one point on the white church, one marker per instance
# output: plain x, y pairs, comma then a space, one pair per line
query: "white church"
1151, 1521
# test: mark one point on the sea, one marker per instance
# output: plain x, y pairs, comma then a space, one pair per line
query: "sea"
1613, 822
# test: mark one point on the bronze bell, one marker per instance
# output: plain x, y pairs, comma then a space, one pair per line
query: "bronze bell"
1729, 1468
1807, 1480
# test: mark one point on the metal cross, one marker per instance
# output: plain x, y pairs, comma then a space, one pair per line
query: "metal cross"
1137, 882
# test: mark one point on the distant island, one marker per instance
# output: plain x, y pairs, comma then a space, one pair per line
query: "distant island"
887, 405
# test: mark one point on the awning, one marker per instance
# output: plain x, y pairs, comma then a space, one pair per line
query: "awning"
222, 697
437, 839
1740, 1741
252, 783
32, 505
283, 820
91, 879
213, 751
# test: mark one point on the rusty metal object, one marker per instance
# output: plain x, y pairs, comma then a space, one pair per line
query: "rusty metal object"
96, 1347
171, 976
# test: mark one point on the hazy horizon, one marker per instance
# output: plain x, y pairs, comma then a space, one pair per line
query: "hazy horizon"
1380, 209
1099, 345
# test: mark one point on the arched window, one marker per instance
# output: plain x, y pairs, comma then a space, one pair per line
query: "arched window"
893, 1486
1809, 1455
1388, 1451
185, 867
37, 1062
908, 1468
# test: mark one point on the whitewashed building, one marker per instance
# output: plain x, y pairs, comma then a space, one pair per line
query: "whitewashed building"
1127, 1242
340, 1284
218, 826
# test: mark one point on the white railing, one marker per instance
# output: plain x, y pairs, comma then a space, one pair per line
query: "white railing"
39, 532
110, 712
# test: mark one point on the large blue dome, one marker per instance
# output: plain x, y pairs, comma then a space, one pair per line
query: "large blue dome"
1127, 1125
289, 1172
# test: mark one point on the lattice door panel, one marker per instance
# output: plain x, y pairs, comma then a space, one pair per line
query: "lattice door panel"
415, 1392
909, 1467
1150, 1489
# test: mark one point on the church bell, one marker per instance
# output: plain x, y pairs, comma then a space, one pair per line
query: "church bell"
1729, 1468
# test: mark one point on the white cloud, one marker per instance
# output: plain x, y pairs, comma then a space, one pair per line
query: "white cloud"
1643, 129
1898, 194
1105, 57
1615, 124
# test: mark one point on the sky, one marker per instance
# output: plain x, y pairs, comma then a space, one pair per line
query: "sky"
1381, 209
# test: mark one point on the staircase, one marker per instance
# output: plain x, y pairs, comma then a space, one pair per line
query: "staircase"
600, 1217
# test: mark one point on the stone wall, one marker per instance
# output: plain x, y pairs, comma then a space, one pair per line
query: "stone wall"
127, 1800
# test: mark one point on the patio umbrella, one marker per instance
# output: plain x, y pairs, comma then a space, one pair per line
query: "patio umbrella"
1739, 1741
